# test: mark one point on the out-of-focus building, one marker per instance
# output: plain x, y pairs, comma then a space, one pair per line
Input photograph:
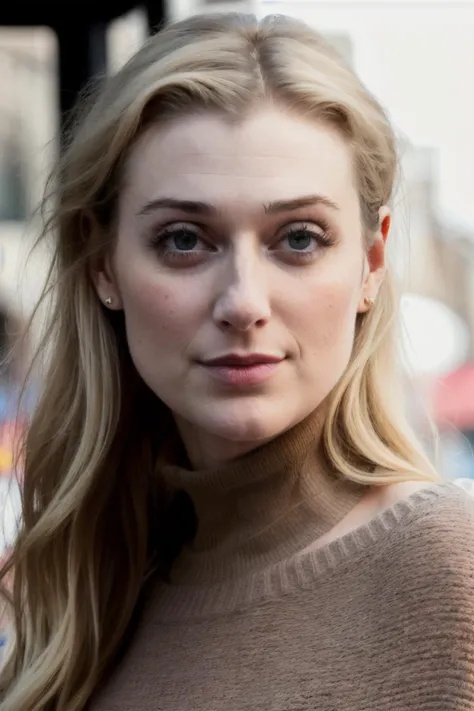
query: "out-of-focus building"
179, 9
441, 255
438, 265
28, 125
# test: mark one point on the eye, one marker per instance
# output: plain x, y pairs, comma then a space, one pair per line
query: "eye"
303, 240
180, 239
180, 244
300, 239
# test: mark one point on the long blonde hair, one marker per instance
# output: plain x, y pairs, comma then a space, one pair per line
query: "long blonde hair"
88, 531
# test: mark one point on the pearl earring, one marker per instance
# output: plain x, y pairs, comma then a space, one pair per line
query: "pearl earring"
108, 301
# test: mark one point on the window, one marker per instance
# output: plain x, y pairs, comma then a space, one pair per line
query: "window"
13, 197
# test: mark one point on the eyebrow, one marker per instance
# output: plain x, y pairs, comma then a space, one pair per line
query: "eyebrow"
197, 207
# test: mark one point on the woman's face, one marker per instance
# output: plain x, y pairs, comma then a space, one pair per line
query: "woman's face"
240, 267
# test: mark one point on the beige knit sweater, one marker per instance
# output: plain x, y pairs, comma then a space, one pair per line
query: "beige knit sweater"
379, 620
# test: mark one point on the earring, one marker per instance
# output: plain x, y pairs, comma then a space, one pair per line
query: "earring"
368, 301
108, 301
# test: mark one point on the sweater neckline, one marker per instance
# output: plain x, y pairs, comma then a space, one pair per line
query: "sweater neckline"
180, 602
261, 508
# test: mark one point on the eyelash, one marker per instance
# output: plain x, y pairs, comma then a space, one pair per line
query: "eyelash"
324, 239
158, 240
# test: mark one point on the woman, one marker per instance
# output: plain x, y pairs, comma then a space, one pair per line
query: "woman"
223, 505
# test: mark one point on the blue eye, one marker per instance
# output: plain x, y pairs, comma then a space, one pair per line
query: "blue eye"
181, 240
180, 245
301, 240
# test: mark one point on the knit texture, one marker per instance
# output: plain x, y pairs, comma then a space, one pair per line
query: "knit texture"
261, 508
378, 620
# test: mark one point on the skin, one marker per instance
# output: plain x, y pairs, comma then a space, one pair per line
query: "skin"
242, 285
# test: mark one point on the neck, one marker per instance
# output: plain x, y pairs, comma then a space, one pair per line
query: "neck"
262, 507
205, 451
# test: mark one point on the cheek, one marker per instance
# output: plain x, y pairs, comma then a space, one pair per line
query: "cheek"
158, 314
326, 337
324, 315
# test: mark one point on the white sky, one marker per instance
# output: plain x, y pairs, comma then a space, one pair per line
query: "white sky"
418, 58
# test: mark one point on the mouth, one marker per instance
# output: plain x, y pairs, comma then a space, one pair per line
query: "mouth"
243, 370
235, 360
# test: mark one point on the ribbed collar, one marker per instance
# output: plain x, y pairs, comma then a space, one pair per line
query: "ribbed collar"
260, 508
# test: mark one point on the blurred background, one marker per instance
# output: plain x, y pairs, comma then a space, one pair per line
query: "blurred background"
416, 57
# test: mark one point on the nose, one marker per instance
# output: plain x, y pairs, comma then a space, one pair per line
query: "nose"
243, 302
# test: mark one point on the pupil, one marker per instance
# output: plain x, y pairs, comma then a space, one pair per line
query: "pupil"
185, 241
300, 241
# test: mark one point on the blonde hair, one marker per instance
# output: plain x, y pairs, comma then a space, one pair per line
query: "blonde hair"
87, 527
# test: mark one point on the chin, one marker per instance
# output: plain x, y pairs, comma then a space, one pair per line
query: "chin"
247, 422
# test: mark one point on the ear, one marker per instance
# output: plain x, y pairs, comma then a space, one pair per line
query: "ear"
105, 282
374, 267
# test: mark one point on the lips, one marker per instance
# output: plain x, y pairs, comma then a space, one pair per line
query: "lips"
236, 370
235, 360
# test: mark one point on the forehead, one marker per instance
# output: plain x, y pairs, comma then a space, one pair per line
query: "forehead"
270, 155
